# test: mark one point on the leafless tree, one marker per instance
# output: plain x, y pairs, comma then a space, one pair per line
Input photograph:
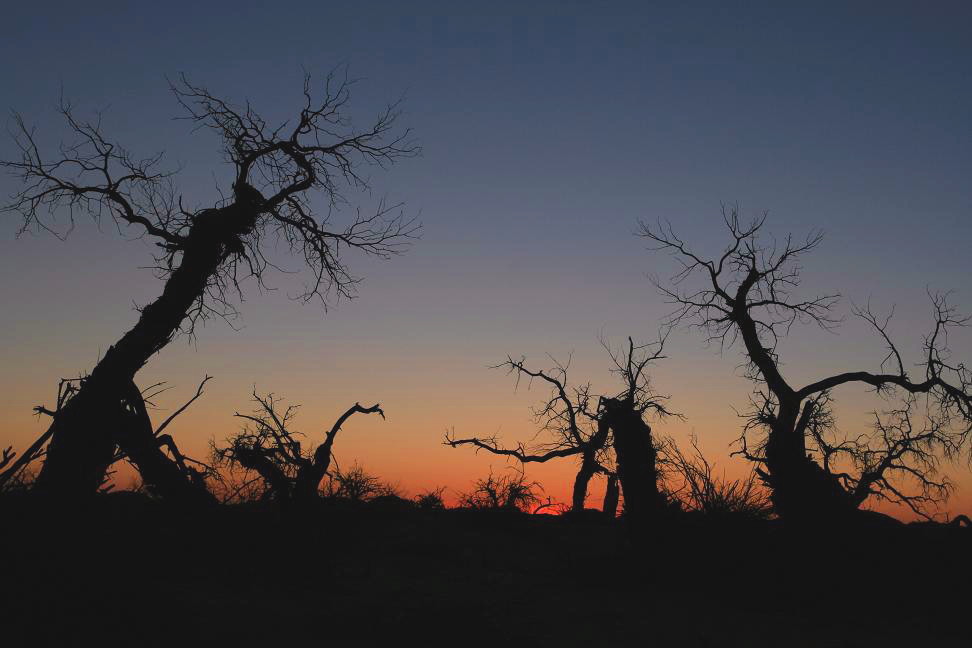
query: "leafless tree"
581, 425
204, 254
570, 422
625, 413
749, 294
268, 447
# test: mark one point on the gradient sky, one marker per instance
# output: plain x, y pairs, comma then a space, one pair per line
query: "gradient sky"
548, 131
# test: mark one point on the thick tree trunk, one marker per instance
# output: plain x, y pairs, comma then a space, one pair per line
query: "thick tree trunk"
310, 474
82, 446
636, 456
800, 488
309, 480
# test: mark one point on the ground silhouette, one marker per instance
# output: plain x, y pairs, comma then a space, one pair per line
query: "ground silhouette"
124, 568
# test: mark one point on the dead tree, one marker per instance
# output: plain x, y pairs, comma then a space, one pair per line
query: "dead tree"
204, 254
624, 413
610, 438
747, 294
568, 419
268, 447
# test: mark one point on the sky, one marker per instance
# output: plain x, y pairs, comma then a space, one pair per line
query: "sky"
548, 130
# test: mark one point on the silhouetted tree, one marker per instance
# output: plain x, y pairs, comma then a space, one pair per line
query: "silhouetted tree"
635, 448
568, 419
268, 447
604, 432
748, 293
204, 253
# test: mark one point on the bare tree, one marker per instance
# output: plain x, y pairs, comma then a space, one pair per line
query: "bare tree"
205, 254
267, 446
607, 433
748, 294
570, 422
634, 445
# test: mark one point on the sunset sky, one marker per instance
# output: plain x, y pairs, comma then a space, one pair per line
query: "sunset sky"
548, 131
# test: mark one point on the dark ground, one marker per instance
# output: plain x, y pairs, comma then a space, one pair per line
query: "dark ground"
126, 571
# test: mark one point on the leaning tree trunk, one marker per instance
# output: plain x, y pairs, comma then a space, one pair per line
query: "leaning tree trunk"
584, 474
636, 457
82, 444
169, 479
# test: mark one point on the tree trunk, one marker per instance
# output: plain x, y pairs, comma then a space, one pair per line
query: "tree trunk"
611, 496
800, 488
635, 451
309, 480
167, 478
82, 446
280, 486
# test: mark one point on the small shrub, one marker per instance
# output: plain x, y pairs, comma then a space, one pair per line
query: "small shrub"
431, 499
357, 485
508, 492
699, 490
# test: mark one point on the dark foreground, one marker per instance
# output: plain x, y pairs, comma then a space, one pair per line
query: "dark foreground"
125, 571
